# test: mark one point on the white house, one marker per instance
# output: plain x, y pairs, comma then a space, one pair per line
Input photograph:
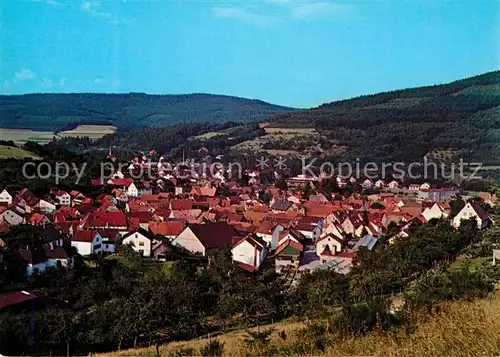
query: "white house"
132, 190
141, 241
393, 185
250, 250
46, 206
333, 243
203, 238
12, 218
367, 184
5, 197
379, 184
310, 231
270, 233
41, 260
335, 229
434, 212
87, 242
472, 210
64, 198
425, 186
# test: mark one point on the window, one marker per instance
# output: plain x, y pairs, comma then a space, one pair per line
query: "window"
141, 243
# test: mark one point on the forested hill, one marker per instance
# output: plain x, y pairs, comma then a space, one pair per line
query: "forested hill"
127, 111
461, 118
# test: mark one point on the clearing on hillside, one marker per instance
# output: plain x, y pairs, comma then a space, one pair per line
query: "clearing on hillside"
21, 136
94, 132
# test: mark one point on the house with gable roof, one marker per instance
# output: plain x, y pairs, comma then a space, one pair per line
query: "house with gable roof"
5, 198
250, 250
328, 243
204, 238
141, 240
287, 254
436, 211
473, 210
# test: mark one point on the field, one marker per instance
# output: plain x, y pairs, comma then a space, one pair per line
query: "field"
458, 329
283, 142
92, 131
8, 152
21, 136
269, 130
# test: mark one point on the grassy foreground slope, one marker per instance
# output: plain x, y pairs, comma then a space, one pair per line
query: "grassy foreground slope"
459, 329
462, 118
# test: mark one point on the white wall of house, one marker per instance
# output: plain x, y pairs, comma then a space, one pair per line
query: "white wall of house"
466, 213
188, 241
5, 197
139, 243
335, 246
84, 248
276, 235
64, 200
12, 218
333, 229
347, 226
87, 248
132, 190
46, 207
313, 233
434, 212
248, 254
40, 267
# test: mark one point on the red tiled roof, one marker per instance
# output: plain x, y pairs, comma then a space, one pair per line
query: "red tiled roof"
15, 297
83, 236
167, 228
247, 267
181, 204
347, 255
213, 235
122, 182
103, 219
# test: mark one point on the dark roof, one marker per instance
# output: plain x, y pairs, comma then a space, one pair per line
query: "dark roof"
480, 212
142, 231
15, 297
213, 235
281, 205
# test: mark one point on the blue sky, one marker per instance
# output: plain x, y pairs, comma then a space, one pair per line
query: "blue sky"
296, 53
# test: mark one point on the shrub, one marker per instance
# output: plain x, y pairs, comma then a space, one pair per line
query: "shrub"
213, 348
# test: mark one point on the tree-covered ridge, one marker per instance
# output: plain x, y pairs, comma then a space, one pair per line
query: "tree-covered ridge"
127, 111
407, 124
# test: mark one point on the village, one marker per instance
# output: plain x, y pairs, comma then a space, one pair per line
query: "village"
200, 213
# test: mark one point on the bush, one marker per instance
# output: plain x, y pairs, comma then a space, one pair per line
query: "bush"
449, 285
367, 316
212, 348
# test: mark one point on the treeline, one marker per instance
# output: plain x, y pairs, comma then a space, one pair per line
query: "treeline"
128, 111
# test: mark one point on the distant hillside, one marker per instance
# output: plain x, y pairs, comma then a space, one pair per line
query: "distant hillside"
52, 112
461, 118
